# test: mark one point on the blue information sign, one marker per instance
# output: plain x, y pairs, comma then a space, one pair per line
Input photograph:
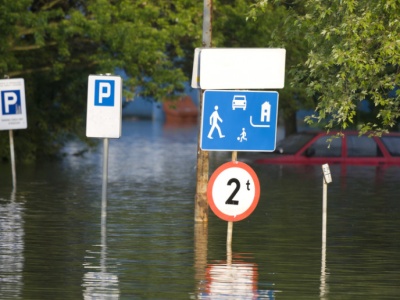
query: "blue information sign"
239, 120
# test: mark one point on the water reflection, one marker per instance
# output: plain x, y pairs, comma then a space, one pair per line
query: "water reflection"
97, 282
11, 247
236, 279
54, 244
200, 252
324, 287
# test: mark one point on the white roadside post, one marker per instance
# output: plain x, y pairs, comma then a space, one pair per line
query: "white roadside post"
12, 113
325, 181
104, 116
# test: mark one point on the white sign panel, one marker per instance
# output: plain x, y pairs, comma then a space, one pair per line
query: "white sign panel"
327, 173
196, 70
104, 107
12, 104
241, 68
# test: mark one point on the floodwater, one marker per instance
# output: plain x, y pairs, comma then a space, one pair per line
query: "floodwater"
57, 240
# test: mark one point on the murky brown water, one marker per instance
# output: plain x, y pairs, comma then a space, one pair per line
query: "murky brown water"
54, 244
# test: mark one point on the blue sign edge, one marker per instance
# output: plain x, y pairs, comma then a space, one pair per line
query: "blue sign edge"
241, 150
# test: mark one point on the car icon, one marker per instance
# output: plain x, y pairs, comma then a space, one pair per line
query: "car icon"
239, 101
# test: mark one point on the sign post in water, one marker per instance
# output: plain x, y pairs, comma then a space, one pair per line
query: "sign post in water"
12, 112
104, 114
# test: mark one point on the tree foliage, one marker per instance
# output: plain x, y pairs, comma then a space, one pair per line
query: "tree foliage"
280, 34
353, 56
55, 44
264, 27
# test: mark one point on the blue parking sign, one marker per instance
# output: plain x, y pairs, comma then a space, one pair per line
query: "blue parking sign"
11, 102
239, 120
104, 92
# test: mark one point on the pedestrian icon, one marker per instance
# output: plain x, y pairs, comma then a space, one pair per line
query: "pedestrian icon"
242, 136
214, 118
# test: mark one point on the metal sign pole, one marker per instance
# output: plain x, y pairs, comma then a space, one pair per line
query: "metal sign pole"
229, 243
324, 210
105, 172
12, 155
327, 178
14, 176
323, 286
230, 223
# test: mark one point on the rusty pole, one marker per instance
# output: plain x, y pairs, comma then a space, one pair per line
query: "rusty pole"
201, 205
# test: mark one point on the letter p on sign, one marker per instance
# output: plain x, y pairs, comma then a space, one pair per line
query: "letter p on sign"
104, 92
10, 100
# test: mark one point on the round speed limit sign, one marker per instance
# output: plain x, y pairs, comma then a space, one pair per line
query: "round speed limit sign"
233, 191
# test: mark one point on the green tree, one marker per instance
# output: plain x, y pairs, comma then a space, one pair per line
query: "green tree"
279, 33
353, 55
234, 26
55, 44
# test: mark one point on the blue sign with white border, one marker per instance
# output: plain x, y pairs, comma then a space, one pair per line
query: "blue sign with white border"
239, 120
12, 104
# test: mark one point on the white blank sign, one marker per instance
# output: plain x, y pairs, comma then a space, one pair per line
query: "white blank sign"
241, 68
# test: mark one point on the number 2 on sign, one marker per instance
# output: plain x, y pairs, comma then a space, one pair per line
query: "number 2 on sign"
235, 191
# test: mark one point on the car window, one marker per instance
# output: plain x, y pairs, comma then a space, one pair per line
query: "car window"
293, 143
392, 143
362, 146
325, 146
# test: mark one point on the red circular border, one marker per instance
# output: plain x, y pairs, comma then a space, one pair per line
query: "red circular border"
217, 172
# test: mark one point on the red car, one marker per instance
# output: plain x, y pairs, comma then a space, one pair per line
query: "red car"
321, 148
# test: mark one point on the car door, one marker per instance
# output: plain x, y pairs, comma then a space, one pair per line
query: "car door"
363, 150
324, 149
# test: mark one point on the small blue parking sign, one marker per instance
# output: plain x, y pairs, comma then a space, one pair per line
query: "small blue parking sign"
104, 92
12, 104
239, 120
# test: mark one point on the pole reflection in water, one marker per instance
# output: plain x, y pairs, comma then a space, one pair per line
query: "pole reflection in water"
324, 276
237, 279
200, 252
234, 279
11, 247
100, 284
